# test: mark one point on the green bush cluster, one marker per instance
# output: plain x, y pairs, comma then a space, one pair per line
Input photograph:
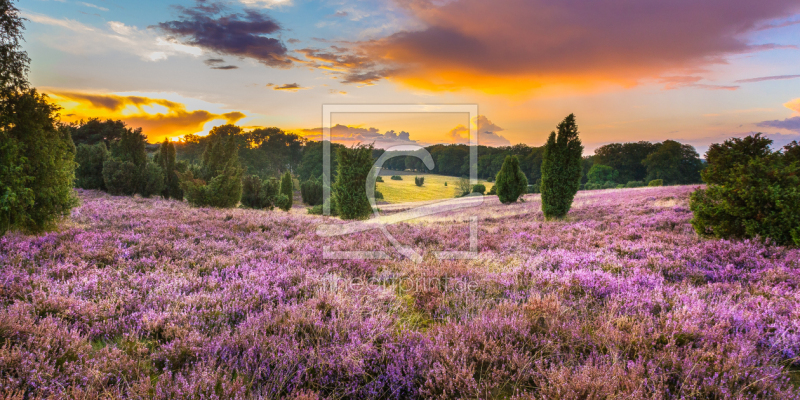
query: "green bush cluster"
479, 188
396, 178
751, 192
311, 192
89, 170
258, 193
287, 189
379, 179
349, 190
511, 182
561, 169
419, 180
222, 186
656, 182
635, 184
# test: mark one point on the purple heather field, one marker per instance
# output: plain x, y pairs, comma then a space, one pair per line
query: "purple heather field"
146, 298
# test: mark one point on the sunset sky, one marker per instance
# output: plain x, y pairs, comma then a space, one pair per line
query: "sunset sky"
693, 71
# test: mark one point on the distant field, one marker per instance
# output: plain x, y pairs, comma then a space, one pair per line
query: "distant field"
433, 189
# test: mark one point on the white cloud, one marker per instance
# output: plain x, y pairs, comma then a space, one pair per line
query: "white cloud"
84, 39
93, 6
267, 3
487, 133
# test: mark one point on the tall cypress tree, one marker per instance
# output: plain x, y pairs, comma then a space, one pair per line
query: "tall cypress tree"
561, 169
287, 188
166, 159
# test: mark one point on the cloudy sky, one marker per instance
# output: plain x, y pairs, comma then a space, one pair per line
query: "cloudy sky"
693, 71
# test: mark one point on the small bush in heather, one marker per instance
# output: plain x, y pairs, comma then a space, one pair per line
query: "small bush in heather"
463, 188
479, 188
152, 180
350, 188
609, 185
283, 202
562, 168
380, 179
396, 178
252, 196
419, 180
318, 209
620, 186
533, 189
492, 191
287, 188
90, 159
752, 192
311, 192
511, 182
656, 182
634, 184
121, 177
224, 189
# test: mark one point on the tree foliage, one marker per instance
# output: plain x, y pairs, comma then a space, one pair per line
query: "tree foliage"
287, 188
600, 174
89, 170
311, 192
752, 192
675, 163
561, 169
166, 160
36, 153
350, 188
510, 182
419, 180
224, 187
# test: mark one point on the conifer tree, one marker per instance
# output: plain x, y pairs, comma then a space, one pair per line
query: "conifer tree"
287, 188
511, 182
561, 169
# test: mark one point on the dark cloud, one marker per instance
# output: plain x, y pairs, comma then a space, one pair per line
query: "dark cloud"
341, 14
293, 41
290, 87
350, 66
768, 78
791, 124
217, 63
207, 25
513, 45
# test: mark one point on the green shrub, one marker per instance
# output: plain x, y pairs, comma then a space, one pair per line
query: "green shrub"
37, 159
349, 190
492, 191
396, 178
533, 188
121, 178
255, 193
166, 160
656, 182
463, 188
445, 183
311, 192
620, 186
479, 188
419, 180
318, 209
379, 179
89, 172
224, 189
609, 185
561, 169
751, 192
378, 195
634, 184
287, 188
602, 173
152, 180
511, 182
283, 202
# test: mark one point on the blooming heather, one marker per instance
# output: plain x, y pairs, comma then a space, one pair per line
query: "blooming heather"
146, 298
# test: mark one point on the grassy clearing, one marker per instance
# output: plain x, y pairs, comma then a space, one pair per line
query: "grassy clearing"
433, 189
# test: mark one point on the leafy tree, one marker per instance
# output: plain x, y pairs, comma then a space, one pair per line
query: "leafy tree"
121, 178
224, 189
287, 187
349, 190
36, 154
602, 173
311, 192
419, 180
511, 183
463, 187
656, 182
95, 131
166, 160
254, 195
152, 180
561, 169
89, 172
626, 159
674, 163
131, 146
751, 192
479, 188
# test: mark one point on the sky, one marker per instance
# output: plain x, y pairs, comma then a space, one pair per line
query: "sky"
694, 71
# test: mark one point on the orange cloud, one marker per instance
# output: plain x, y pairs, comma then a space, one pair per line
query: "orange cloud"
518, 46
158, 118
793, 105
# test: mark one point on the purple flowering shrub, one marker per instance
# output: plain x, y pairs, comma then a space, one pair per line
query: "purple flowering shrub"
147, 298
